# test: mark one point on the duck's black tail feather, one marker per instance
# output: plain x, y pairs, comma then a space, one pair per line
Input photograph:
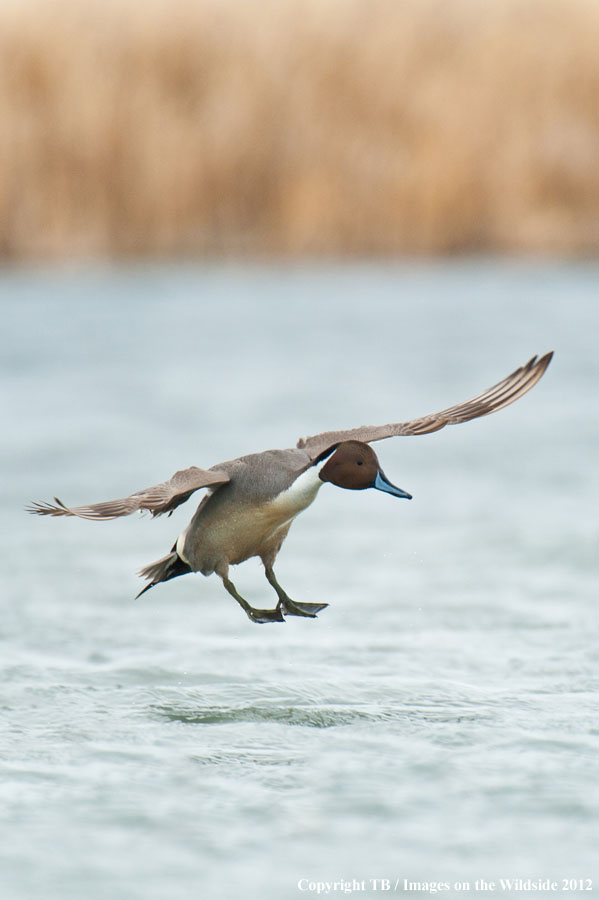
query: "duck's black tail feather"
164, 569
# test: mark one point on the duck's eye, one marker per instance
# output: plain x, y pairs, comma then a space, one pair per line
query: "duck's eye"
359, 462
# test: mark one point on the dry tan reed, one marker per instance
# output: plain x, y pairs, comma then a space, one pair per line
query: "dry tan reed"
298, 126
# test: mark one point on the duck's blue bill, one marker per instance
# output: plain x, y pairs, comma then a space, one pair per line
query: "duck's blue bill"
381, 483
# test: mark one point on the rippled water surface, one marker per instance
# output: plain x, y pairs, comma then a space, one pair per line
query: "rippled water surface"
438, 722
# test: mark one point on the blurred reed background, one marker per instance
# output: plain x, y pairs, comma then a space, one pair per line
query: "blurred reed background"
293, 127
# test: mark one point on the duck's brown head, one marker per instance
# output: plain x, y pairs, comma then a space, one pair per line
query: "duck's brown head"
354, 465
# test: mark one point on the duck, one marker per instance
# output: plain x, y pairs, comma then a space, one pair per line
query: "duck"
252, 501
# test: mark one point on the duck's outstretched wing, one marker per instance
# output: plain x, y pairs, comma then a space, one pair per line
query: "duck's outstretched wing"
159, 499
491, 400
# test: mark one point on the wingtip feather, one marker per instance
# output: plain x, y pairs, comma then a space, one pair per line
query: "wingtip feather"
43, 508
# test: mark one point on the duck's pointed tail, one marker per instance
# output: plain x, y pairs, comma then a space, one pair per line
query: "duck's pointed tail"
170, 566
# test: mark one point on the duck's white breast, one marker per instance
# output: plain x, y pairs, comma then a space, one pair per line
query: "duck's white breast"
298, 495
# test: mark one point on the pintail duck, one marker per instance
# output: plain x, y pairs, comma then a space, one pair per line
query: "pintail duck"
252, 501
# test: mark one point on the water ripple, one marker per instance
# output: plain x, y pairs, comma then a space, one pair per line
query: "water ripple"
289, 715
316, 717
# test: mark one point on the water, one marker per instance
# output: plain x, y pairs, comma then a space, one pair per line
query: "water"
438, 722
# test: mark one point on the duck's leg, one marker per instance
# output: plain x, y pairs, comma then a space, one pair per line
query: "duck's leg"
286, 604
256, 615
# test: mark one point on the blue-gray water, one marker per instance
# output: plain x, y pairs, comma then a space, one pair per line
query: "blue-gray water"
438, 722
